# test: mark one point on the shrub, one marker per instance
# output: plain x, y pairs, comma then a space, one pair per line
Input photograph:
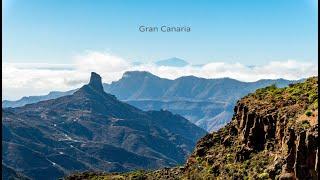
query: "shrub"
308, 113
229, 157
315, 104
198, 158
263, 176
313, 97
138, 175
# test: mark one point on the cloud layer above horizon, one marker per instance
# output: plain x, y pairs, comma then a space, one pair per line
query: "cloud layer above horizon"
27, 79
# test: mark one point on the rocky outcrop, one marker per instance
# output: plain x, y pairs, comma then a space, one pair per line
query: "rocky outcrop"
301, 155
256, 130
291, 151
95, 82
300, 166
312, 153
272, 129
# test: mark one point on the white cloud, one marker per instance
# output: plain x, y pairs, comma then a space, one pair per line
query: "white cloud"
20, 81
25, 79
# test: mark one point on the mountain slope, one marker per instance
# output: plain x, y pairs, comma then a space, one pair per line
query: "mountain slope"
273, 135
92, 130
206, 102
9, 173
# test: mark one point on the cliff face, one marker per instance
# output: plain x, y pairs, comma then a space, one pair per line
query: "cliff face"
271, 131
273, 135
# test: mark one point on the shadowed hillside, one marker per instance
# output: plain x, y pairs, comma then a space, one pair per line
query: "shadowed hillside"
92, 130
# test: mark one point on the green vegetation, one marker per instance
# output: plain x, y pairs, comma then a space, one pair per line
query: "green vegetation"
303, 125
263, 175
308, 113
299, 93
269, 90
138, 175
230, 157
315, 104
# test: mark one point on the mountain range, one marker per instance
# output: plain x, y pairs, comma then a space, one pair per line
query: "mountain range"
273, 134
207, 103
91, 130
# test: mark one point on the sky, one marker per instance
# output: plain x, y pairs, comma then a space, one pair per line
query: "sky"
54, 41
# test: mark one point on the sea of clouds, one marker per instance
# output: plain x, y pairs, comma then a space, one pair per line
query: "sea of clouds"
26, 79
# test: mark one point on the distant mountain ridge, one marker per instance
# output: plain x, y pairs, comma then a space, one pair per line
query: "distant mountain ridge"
92, 130
206, 102
172, 62
34, 99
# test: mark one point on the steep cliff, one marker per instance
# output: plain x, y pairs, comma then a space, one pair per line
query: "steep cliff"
272, 135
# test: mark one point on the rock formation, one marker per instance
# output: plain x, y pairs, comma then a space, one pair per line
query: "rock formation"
95, 82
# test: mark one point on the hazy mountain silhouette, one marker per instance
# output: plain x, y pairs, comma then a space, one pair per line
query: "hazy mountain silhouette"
173, 62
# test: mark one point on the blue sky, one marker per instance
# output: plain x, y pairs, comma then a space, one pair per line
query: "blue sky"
54, 44
251, 32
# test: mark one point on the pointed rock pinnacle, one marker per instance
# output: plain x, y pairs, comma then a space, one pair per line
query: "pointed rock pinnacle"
95, 82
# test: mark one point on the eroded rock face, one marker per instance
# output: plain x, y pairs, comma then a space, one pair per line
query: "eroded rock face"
257, 130
312, 155
291, 151
301, 159
269, 133
301, 169
268, 130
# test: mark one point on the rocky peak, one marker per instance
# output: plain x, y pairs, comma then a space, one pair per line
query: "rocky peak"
95, 82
